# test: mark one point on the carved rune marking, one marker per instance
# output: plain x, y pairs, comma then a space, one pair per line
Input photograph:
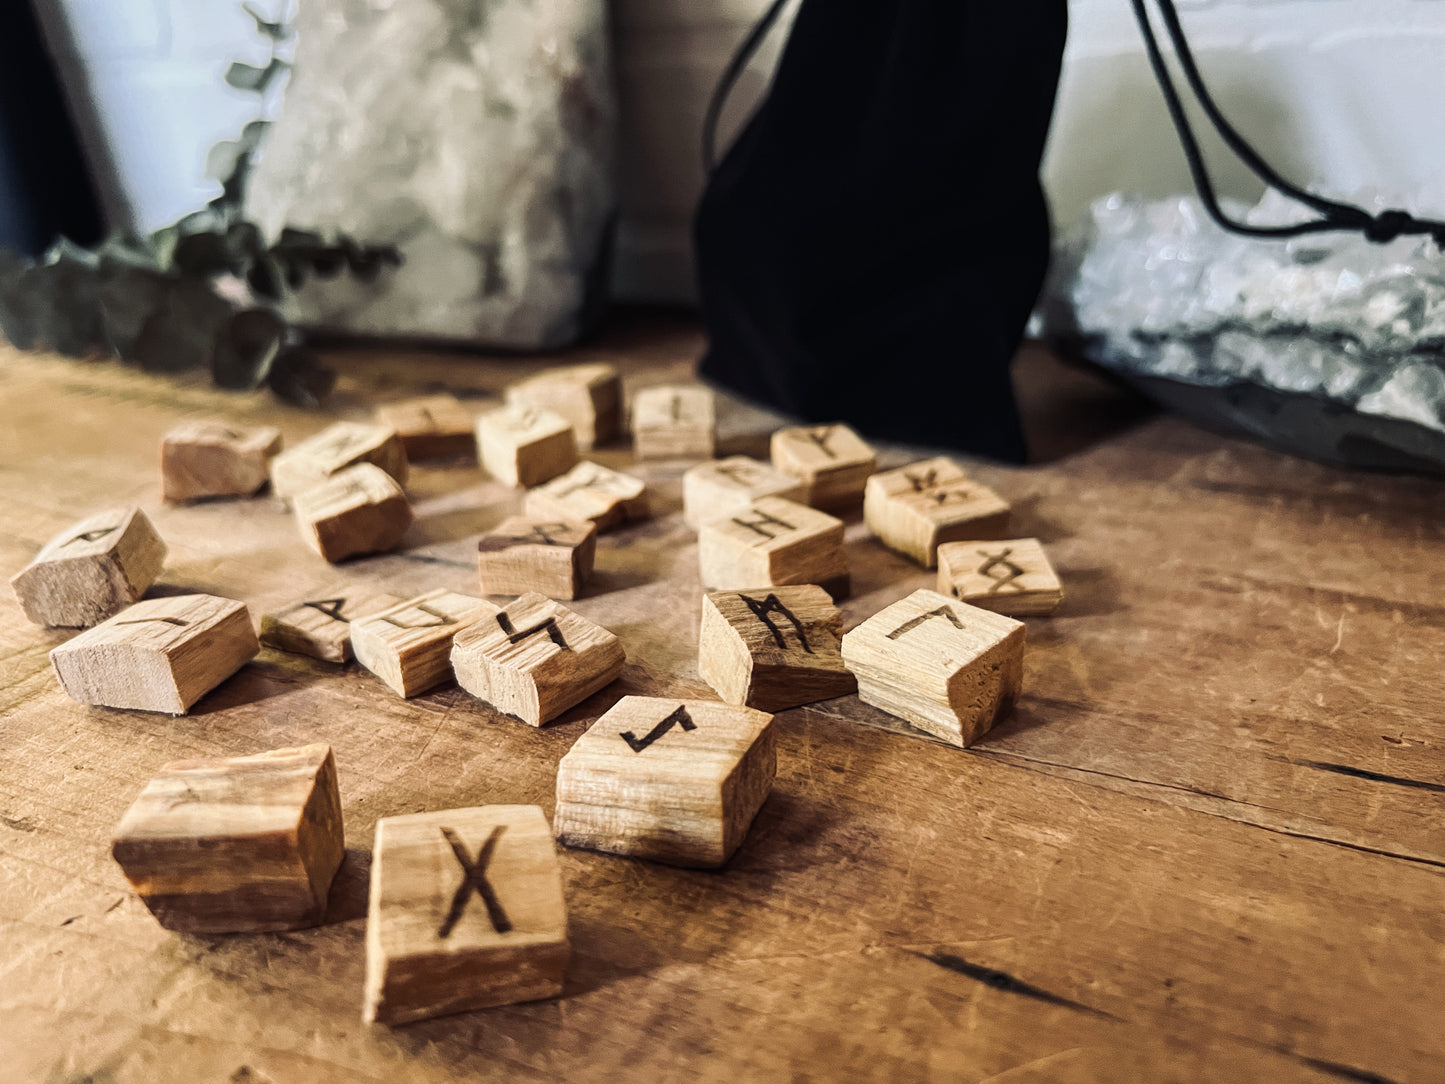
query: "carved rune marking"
909, 626
438, 619
474, 879
541, 534
764, 612
922, 483
590, 480
744, 474
331, 607
1005, 575
820, 437
947, 496
680, 717
176, 621
549, 626
676, 407
340, 445
91, 536
761, 524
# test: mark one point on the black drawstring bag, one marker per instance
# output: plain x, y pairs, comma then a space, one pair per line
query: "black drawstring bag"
871, 246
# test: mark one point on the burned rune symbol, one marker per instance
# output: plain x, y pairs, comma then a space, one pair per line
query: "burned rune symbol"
91, 536
331, 607
762, 523
474, 879
543, 533
741, 473
1001, 570
922, 483
592, 479
764, 612
680, 717
909, 626
438, 619
176, 621
820, 436
676, 407
549, 626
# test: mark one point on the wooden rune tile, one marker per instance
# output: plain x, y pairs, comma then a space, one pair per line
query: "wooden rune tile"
162, 654
719, 488
466, 912
591, 492
675, 781
552, 557
948, 668
915, 508
91, 570
409, 646
774, 648
1009, 576
335, 448
535, 658
674, 421
320, 626
833, 460
236, 844
589, 396
215, 459
523, 446
773, 542
431, 427
356, 511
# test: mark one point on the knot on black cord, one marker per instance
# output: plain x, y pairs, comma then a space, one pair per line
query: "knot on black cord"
1388, 225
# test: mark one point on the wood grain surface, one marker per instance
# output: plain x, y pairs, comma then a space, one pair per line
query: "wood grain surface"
1207, 845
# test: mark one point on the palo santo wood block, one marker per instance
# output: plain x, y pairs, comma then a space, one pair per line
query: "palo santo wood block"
431, 427
675, 781
213, 459
1012, 576
335, 448
915, 508
409, 646
552, 557
535, 658
950, 669
774, 648
773, 542
236, 844
321, 626
162, 654
589, 396
834, 461
523, 446
91, 570
466, 912
590, 492
674, 421
358, 510
716, 489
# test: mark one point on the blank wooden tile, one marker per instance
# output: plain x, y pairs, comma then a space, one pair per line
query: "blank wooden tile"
91, 570
589, 396
673, 421
432, 427
718, 488
773, 542
215, 459
523, 446
552, 557
535, 658
833, 460
676, 781
1010, 576
409, 646
356, 511
320, 626
236, 844
335, 448
915, 508
774, 648
466, 912
162, 654
948, 668
590, 492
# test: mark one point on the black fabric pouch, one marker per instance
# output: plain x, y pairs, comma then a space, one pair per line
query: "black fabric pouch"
871, 246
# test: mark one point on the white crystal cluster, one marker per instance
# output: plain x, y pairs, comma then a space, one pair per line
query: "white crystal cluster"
476, 136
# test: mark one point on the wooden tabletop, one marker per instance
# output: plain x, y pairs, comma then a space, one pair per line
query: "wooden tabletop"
1208, 845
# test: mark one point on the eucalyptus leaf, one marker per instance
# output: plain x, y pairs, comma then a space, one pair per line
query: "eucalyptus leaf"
246, 347
298, 377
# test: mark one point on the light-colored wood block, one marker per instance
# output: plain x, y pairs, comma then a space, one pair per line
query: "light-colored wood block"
773, 542
214, 459
466, 912
320, 626
552, 557
674, 421
675, 781
716, 489
358, 510
590, 492
91, 570
162, 654
1012, 576
948, 668
535, 658
523, 446
409, 646
833, 460
589, 396
332, 450
915, 508
773, 649
236, 844
432, 427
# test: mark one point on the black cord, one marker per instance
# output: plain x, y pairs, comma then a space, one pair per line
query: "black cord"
1385, 226
729, 77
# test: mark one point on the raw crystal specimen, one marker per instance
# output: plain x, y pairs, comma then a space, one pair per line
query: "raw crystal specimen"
475, 135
